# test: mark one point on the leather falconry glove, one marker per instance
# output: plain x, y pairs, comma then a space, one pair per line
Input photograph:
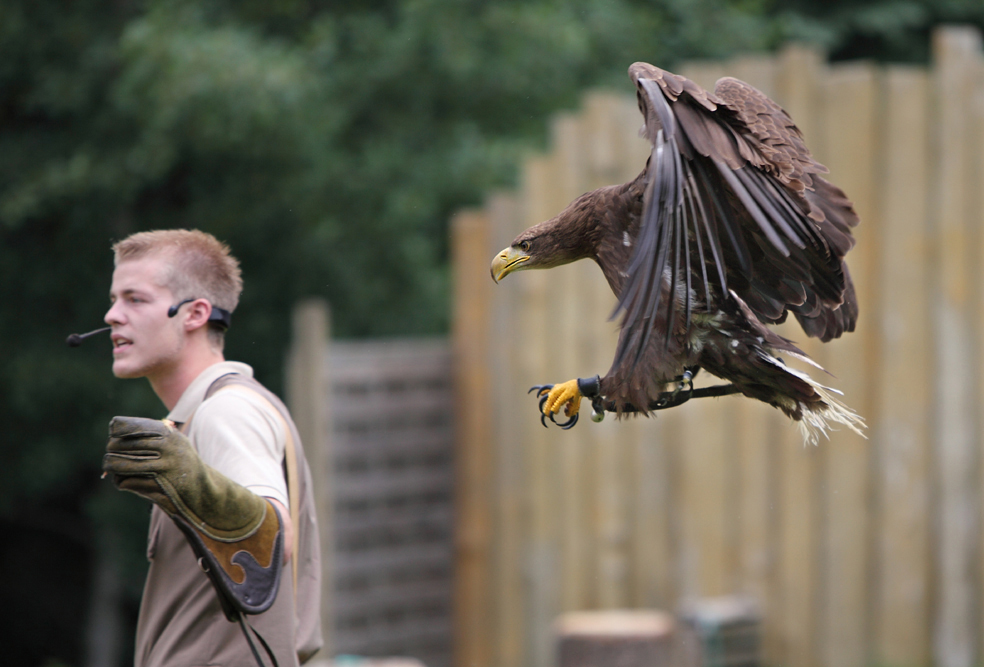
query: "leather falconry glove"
235, 533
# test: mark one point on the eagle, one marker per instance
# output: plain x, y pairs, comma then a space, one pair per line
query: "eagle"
728, 228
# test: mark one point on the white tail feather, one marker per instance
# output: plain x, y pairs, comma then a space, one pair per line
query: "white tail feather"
816, 420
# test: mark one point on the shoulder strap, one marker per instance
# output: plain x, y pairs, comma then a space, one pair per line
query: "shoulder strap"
290, 458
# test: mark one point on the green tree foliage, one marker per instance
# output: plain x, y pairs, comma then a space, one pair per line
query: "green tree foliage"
327, 142
887, 30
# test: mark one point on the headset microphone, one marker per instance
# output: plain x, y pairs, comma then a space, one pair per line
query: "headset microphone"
173, 310
220, 316
74, 340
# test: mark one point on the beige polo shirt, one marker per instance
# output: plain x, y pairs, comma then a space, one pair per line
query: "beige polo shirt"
235, 432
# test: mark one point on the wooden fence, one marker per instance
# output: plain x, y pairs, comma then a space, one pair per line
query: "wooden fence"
376, 423
861, 552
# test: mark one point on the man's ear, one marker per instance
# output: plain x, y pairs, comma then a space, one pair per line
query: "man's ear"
198, 313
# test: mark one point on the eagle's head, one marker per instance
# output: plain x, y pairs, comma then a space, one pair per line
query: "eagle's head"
566, 238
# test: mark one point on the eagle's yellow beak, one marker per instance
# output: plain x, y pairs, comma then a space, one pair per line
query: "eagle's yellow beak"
507, 261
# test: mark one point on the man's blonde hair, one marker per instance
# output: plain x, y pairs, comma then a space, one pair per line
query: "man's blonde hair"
199, 266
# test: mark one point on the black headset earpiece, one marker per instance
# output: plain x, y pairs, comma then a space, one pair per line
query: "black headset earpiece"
219, 316
173, 310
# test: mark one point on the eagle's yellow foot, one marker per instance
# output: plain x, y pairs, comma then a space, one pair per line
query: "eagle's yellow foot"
553, 397
565, 394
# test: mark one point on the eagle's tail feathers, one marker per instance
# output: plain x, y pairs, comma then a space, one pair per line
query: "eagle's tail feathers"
816, 417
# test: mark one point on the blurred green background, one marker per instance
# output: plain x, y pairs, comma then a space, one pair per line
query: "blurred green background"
327, 143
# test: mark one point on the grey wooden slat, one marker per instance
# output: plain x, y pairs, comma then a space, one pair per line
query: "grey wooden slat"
392, 484
356, 438
406, 559
401, 596
390, 407
395, 347
367, 521
394, 634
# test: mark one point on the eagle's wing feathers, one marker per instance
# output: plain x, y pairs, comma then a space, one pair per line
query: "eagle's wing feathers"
731, 183
818, 211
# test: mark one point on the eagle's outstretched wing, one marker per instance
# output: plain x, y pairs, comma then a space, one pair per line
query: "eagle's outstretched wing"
733, 201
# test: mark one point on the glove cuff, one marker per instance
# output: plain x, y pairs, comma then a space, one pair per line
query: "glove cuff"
246, 571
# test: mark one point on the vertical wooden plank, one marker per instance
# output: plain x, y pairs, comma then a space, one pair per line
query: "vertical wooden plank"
706, 505
977, 222
850, 134
650, 481
473, 446
640, 556
609, 441
757, 485
799, 521
538, 317
957, 52
756, 503
570, 330
899, 424
708, 468
309, 398
511, 475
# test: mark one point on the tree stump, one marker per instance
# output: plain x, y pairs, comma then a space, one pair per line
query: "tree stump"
615, 638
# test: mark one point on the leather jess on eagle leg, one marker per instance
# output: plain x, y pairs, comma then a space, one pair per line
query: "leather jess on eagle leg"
236, 534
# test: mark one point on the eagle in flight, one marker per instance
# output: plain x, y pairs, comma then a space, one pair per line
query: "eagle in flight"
729, 227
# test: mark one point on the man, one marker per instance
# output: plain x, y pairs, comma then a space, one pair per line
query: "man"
219, 472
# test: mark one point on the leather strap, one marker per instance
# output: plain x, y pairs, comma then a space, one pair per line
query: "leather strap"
293, 495
290, 455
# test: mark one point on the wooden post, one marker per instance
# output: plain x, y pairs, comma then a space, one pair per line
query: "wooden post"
850, 133
510, 477
615, 638
606, 443
707, 505
309, 398
473, 444
751, 435
643, 472
536, 320
958, 54
569, 325
800, 72
899, 425
977, 295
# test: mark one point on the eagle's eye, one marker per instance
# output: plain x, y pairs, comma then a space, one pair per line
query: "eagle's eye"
524, 246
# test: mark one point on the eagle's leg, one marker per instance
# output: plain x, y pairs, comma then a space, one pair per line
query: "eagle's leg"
567, 395
683, 392
686, 380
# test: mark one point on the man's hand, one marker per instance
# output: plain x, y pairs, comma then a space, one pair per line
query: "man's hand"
238, 534
154, 460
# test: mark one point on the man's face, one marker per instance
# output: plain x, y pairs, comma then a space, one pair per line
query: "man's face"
146, 342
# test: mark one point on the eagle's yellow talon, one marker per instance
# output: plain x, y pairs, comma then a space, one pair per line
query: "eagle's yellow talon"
565, 394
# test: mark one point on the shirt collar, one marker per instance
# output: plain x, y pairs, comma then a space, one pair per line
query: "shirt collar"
195, 393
